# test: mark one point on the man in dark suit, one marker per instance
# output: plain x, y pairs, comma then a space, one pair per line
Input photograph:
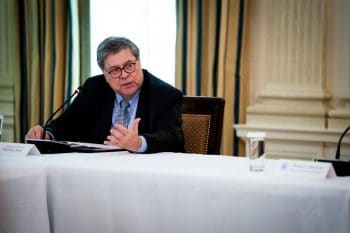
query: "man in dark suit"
151, 114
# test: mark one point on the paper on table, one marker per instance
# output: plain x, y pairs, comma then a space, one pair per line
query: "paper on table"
91, 145
50, 146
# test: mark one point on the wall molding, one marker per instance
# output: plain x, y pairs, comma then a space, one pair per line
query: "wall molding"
300, 143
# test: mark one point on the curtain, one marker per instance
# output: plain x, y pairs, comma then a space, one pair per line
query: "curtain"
9, 69
54, 53
208, 57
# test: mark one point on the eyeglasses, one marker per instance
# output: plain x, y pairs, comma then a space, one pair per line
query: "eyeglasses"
116, 72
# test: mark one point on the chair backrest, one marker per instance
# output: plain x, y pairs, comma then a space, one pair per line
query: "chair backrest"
202, 124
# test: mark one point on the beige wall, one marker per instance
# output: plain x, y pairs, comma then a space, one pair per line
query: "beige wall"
339, 64
297, 62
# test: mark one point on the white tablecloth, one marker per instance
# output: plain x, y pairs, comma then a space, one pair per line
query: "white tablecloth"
23, 192
165, 193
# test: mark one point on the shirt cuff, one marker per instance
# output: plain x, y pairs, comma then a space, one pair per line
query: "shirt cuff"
143, 146
52, 137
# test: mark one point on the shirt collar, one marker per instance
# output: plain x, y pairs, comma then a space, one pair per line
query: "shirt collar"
131, 101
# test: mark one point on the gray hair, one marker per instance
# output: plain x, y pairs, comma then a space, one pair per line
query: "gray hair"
112, 45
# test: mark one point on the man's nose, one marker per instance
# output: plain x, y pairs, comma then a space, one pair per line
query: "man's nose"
124, 74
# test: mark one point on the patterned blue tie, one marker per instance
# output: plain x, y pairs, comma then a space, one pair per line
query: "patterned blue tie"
123, 117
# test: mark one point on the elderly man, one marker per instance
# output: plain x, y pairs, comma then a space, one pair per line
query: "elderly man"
126, 106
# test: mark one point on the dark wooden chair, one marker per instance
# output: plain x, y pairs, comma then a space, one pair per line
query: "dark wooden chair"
202, 124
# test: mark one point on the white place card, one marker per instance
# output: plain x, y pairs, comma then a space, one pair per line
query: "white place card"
19, 149
309, 169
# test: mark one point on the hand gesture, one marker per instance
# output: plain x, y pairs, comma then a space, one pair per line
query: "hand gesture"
128, 139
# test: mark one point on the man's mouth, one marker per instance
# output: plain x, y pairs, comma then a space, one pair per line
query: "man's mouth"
127, 84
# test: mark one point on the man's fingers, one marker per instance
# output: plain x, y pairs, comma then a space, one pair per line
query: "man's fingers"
135, 125
119, 128
35, 132
118, 132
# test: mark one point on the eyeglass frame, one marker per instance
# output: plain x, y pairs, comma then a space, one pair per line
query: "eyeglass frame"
121, 69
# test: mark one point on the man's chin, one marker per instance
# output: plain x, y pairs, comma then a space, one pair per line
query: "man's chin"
128, 92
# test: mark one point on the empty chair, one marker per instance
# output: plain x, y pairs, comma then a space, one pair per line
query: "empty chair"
202, 124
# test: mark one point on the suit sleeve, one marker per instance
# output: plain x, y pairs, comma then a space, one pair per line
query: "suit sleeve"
166, 120
88, 118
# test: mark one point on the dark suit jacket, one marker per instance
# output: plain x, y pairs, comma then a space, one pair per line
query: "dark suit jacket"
89, 117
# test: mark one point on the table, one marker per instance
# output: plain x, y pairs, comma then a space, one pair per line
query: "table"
165, 193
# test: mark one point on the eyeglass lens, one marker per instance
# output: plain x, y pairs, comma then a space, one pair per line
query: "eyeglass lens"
117, 72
